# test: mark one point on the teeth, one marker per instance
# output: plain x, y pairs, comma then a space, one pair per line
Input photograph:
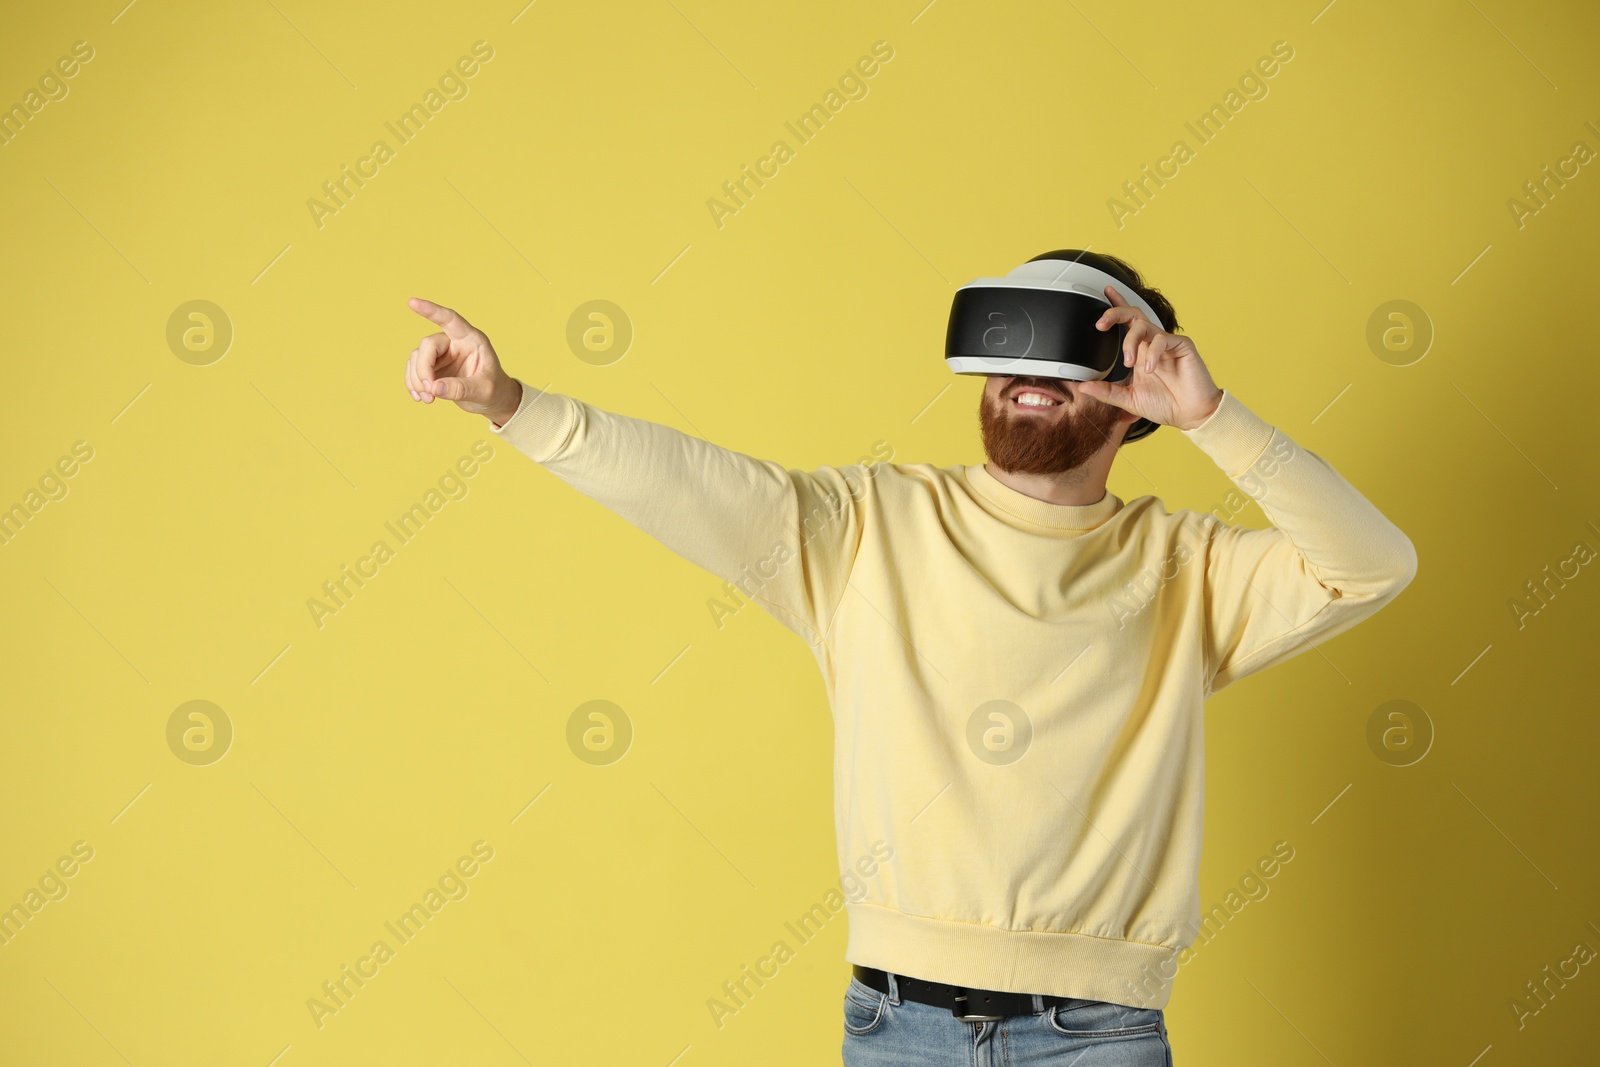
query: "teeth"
1034, 400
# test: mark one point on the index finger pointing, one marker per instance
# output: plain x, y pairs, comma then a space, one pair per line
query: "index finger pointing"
454, 326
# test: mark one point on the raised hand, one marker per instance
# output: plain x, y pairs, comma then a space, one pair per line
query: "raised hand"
1169, 384
459, 364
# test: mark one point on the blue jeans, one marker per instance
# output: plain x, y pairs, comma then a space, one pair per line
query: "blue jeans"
882, 1030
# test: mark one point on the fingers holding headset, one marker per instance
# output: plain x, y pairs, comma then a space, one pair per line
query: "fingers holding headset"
1144, 342
1156, 347
1125, 313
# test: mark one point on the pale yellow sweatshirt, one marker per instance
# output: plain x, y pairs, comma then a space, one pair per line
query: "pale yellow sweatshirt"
1016, 685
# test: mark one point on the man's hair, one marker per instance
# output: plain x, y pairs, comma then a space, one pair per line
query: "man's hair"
1125, 274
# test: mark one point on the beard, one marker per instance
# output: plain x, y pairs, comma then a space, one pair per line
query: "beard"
1027, 444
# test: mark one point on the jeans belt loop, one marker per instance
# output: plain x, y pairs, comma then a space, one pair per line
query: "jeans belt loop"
894, 988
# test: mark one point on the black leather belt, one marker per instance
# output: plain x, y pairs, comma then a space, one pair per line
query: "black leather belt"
968, 1005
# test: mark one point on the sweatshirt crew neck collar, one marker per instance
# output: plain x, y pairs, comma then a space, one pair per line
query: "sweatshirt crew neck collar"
1009, 505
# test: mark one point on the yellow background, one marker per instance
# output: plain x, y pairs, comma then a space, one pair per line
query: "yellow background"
371, 753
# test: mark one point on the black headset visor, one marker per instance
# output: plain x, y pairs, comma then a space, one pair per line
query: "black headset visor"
1047, 333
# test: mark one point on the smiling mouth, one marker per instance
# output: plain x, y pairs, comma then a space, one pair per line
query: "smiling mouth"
1018, 404
1032, 398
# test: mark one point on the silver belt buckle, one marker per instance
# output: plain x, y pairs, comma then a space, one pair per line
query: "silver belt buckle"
961, 1005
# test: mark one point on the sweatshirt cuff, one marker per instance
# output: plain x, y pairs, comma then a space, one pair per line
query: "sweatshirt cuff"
1232, 435
541, 425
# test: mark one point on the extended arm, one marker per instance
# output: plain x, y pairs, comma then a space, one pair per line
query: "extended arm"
785, 538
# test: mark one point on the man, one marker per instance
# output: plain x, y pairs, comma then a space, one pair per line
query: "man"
1016, 661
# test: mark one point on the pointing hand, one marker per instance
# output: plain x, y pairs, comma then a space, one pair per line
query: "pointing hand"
460, 364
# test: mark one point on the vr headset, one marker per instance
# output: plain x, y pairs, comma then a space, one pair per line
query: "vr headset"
1038, 322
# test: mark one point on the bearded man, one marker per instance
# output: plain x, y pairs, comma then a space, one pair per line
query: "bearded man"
1016, 662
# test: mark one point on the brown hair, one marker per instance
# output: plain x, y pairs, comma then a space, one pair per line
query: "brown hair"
1125, 274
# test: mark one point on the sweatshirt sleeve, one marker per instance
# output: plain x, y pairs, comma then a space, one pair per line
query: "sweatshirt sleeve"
785, 538
1329, 560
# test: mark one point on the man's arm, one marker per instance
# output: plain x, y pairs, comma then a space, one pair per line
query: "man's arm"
785, 538
1330, 559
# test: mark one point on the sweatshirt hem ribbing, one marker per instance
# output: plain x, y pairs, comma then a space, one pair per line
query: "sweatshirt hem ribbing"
979, 956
